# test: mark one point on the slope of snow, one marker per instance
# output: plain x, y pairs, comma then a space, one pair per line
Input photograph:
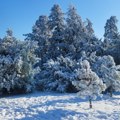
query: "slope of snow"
54, 106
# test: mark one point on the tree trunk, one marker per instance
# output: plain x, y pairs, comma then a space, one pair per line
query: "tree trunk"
111, 90
90, 102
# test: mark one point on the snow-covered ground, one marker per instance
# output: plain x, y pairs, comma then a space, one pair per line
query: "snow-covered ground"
54, 106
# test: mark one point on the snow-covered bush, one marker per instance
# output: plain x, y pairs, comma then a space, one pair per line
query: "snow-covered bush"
87, 82
16, 62
107, 70
57, 75
113, 49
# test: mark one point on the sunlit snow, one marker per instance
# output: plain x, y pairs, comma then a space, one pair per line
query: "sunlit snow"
54, 106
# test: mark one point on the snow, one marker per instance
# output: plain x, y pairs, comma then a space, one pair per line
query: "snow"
58, 106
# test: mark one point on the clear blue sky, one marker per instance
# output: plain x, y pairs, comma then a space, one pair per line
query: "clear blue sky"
20, 15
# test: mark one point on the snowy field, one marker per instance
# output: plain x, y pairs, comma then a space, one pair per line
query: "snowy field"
54, 106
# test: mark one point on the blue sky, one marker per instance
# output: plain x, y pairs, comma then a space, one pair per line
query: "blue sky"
20, 15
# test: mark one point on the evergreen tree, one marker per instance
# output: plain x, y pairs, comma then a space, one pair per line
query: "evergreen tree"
16, 72
113, 50
112, 39
89, 28
57, 26
80, 36
111, 30
57, 75
74, 31
75, 26
8, 44
87, 82
106, 69
41, 34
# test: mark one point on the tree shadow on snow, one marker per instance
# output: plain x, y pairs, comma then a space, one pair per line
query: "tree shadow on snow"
34, 112
57, 114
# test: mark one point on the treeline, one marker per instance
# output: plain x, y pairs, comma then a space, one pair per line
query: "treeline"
62, 54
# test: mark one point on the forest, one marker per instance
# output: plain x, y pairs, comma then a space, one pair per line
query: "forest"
62, 54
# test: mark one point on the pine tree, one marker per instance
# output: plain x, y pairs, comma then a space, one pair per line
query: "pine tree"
41, 34
57, 75
106, 69
112, 39
111, 30
87, 82
89, 29
75, 26
8, 43
16, 74
112, 49
25, 70
74, 31
57, 26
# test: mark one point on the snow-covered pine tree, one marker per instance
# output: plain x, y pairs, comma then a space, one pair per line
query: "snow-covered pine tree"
89, 28
25, 62
87, 82
41, 34
113, 50
91, 43
111, 30
57, 75
80, 35
107, 70
11, 63
112, 39
75, 26
57, 26
74, 30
